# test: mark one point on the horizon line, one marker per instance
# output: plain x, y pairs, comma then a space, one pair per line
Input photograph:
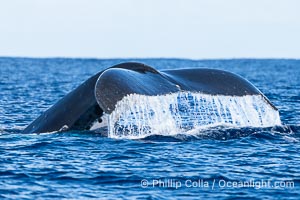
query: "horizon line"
151, 58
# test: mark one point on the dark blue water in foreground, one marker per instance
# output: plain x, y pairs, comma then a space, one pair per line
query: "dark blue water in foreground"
220, 163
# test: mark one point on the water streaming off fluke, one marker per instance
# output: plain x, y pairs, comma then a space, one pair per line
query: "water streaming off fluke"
138, 116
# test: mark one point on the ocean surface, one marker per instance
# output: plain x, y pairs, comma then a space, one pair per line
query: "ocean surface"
218, 162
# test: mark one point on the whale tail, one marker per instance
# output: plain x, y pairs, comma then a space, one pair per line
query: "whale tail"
101, 93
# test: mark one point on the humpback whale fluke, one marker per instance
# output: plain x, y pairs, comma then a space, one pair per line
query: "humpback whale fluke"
100, 94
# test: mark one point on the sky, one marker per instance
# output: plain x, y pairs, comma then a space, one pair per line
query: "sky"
195, 29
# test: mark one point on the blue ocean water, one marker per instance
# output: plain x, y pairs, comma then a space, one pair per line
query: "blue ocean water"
257, 163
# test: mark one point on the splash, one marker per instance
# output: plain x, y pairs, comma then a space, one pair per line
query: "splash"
138, 116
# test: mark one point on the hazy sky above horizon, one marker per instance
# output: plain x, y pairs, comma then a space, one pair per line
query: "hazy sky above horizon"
153, 28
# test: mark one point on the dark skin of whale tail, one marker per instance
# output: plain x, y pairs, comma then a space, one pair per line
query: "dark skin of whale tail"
76, 111
79, 109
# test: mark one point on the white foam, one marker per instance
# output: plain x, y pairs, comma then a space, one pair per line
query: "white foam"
138, 116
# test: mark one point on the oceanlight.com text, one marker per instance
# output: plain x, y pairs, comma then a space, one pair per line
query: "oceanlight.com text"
217, 183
